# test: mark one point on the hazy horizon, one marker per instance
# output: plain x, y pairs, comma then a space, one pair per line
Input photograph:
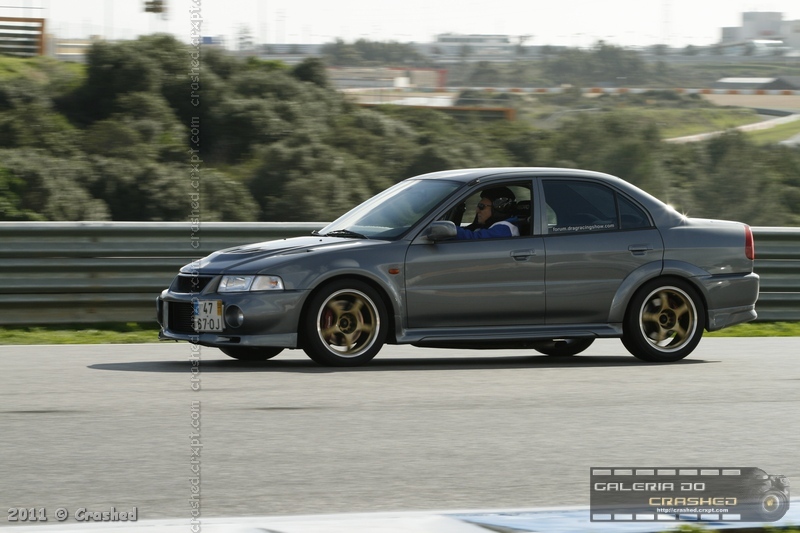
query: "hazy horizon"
622, 22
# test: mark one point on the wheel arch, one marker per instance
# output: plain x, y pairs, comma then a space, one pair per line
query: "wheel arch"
665, 279
646, 273
387, 300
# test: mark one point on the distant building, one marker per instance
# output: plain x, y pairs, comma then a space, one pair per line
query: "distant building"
213, 41
73, 50
762, 33
387, 77
22, 37
766, 84
471, 46
791, 34
761, 25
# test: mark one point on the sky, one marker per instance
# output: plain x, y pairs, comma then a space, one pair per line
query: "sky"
551, 22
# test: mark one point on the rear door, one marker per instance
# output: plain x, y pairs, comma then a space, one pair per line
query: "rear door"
594, 238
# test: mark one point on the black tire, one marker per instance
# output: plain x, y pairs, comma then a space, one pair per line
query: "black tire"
247, 353
345, 324
664, 321
562, 347
772, 506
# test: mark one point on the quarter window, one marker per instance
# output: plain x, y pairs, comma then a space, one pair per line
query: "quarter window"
631, 216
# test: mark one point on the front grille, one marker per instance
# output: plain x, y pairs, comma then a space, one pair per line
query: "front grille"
186, 284
180, 317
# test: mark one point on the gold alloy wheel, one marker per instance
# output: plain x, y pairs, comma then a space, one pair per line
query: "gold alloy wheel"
668, 318
348, 323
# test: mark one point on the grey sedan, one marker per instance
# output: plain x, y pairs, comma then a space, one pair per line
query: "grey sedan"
595, 257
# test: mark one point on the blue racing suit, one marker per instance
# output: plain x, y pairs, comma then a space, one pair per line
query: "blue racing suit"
505, 228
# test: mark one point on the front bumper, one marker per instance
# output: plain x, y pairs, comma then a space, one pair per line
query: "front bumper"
270, 318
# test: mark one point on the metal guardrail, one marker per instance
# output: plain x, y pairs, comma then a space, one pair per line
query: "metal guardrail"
96, 272
778, 265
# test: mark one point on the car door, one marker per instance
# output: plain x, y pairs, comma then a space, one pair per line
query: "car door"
475, 283
595, 237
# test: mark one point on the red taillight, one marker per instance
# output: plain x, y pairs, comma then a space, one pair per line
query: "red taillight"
749, 246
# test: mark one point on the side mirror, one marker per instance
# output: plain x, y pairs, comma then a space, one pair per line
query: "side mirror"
441, 230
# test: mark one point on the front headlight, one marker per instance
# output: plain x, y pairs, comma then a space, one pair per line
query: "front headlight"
250, 283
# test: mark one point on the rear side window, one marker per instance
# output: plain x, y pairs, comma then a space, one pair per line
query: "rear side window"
631, 216
582, 206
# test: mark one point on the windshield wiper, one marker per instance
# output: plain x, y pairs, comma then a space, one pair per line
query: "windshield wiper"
345, 233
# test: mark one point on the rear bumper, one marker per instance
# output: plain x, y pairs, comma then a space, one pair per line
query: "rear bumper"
731, 300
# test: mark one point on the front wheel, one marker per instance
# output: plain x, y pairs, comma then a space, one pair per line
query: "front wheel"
562, 347
664, 322
346, 324
248, 353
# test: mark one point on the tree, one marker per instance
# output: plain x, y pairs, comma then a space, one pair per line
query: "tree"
364, 52
313, 71
113, 70
28, 119
36, 186
690, 50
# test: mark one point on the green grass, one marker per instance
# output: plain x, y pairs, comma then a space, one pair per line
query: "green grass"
776, 134
129, 333
674, 117
760, 329
683, 122
148, 332
693, 528
38, 68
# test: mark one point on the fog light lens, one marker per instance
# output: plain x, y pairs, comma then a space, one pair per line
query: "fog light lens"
234, 316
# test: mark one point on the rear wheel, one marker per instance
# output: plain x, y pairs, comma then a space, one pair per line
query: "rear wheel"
664, 322
248, 353
562, 347
772, 506
346, 324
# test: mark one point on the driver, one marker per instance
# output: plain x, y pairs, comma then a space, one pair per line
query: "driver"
494, 216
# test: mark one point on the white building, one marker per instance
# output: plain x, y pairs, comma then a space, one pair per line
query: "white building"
763, 32
473, 46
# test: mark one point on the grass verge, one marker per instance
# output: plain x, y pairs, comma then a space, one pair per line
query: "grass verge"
134, 333
759, 329
776, 134
129, 333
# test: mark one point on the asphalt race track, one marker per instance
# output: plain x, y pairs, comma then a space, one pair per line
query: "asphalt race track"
98, 427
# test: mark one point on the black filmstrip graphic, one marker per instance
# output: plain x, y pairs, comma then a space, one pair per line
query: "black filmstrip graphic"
738, 494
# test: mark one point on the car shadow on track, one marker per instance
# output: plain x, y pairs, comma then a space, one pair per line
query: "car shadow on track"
390, 364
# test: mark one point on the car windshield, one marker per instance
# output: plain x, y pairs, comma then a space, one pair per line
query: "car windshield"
392, 212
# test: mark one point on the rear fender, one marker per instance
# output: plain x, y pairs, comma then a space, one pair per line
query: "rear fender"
628, 287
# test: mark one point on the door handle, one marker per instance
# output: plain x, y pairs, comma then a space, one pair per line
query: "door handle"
640, 249
522, 255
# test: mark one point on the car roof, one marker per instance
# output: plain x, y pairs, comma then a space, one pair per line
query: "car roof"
660, 210
467, 175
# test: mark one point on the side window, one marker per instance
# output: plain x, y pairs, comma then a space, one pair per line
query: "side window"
631, 216
465, 213
579, 206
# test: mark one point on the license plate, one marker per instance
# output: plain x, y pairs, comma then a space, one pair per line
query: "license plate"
207, 316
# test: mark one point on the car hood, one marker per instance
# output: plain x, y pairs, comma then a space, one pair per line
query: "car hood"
254, 257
